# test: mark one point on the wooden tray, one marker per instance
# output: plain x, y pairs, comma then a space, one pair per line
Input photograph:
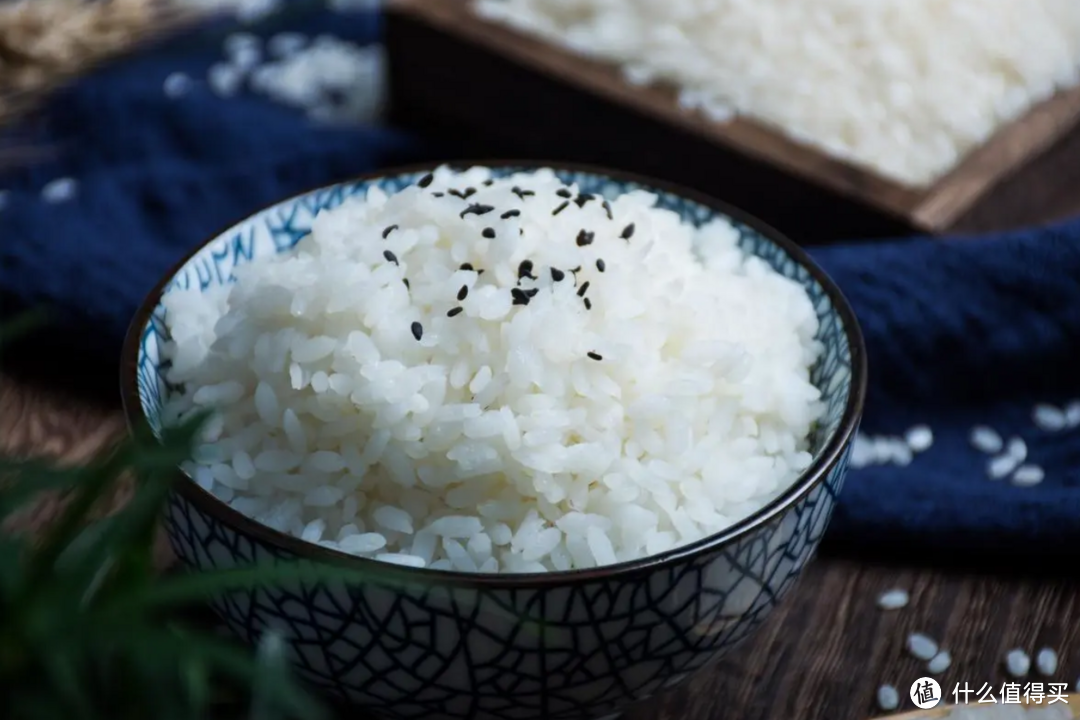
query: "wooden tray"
1072, 704
484, 90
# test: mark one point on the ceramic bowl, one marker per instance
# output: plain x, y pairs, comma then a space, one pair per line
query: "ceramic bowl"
414, 643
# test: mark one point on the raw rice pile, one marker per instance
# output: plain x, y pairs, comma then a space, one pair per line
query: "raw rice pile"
503, 376
906, 87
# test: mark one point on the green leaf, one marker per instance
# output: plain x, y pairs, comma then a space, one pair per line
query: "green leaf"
200, 586
12, 556
82, 548
24, 480
196, 677
175, 446
21, 325
75, 516
67, 681
225, 659
272, 668
124, 538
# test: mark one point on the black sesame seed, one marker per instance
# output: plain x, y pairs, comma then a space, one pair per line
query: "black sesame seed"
463, 292
457, 194
387, 231
509, 214
406, 281
390, 257
600, 264
583, 289
426, 180
480, 271
455, 311
562, 207
520, 298
522, 193
583, 198
476, 209
417, 330
564, 193
525, 269
596, 356
607, 209
466, 266
438, 194
576, 270
469, 192
585, 238
557, 274
531, 293
489, 233
588, 304
489, 183
628, 232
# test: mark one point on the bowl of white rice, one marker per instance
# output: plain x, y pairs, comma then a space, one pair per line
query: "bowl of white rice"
579, 430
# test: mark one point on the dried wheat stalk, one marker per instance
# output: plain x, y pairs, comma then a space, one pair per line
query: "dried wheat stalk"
46, 43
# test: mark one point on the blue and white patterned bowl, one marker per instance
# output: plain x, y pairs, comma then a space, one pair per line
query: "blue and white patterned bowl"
420, 643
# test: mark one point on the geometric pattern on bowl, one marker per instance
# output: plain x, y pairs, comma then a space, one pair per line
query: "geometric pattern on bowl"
420, 643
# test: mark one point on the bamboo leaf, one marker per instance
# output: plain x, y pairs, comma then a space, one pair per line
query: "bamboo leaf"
80, 550
272, 667
22, 325
24, 480
174, 447
12, 556
197, 587
223, 658
75, 515
64, 673
196, 678
124, 539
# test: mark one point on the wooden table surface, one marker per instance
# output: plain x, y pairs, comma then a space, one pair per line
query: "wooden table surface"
821, 655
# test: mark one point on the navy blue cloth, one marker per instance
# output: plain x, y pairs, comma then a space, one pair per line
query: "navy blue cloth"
960, 332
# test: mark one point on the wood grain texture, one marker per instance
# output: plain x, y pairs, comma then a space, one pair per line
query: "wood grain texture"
483, 87
820, 656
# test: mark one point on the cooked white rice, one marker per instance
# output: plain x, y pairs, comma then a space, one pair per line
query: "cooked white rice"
558, 420
906, 87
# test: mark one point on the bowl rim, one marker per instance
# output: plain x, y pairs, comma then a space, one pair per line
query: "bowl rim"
818, 471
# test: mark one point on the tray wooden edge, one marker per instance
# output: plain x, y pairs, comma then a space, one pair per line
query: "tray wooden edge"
1072, 700
932, 209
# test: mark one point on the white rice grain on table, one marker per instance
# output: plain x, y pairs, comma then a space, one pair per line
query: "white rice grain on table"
986, 439
1072, 414
176, 84
888, 698
60, 190
1028, 475
940, 662
871, 82
919, 438
1049, 418
1046, 662
225, 79
1017, 663
893, 599
495, 422
921, 646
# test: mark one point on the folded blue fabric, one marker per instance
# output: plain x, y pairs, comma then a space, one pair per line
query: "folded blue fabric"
960, 332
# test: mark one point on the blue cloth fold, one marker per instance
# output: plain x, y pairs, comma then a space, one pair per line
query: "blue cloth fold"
960, 332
